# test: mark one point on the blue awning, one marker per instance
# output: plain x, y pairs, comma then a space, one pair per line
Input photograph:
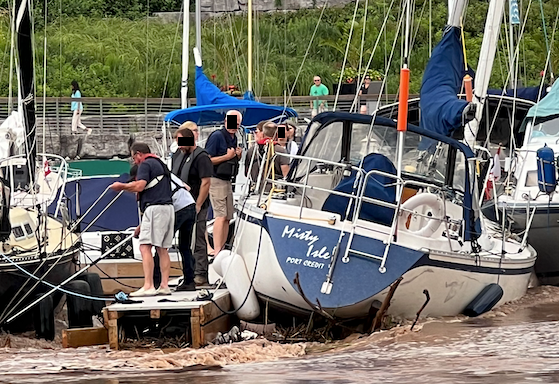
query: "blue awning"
212, 105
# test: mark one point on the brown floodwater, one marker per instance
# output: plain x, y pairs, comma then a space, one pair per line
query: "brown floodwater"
512, 344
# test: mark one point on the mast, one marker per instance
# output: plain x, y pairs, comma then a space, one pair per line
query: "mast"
24, 40
403, 98
185, 49
198, 26
249, 64
485, 65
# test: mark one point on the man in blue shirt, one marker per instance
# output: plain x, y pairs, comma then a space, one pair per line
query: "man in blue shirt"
158, 216
224, 154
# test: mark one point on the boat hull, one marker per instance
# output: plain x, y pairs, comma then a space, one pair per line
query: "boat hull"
12, 279
452, 280
542, 237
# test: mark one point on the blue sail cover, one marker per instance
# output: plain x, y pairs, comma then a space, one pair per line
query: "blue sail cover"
212, 105
527, 93
441, 109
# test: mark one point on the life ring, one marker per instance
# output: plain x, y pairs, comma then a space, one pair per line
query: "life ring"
432, 201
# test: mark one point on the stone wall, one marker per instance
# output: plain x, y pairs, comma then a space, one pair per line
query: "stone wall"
98, 146
210, 8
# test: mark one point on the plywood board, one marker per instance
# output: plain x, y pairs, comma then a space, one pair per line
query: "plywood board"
81, 337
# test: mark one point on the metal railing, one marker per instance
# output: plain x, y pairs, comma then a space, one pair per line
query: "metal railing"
131, 115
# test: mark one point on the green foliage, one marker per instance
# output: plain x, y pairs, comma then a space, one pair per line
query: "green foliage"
112, 50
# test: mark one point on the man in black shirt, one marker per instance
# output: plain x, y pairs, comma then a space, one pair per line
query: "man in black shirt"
158, 216
193, 165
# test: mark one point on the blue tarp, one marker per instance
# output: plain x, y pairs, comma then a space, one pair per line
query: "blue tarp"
123, 214
212, 105
441, 109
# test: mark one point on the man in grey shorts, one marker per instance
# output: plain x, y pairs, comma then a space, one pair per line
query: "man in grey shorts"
158, 216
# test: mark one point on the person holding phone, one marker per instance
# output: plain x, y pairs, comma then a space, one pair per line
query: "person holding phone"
258, 154
224, 153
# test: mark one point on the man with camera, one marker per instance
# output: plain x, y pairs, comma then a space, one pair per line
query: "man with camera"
224, 154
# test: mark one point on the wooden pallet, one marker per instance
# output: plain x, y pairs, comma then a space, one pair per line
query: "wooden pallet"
206, 319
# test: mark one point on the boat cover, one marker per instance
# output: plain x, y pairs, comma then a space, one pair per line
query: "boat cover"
547, 106
378, 187
122, 215
212, 105
441, 109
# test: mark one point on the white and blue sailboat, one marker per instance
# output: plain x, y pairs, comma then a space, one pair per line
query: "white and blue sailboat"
353, 217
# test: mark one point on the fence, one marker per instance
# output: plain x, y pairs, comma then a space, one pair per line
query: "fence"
130, 115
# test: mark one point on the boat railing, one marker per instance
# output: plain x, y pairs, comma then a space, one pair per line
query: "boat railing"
28, 198
355, 199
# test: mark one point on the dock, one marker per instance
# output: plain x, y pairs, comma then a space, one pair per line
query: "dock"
203, 319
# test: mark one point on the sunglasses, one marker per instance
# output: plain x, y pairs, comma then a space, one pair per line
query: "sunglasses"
367, 78
316, 80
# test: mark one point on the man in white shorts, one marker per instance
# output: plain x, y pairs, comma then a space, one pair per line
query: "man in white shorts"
158, 216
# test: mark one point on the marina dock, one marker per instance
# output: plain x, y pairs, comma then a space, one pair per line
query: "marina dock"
204, 318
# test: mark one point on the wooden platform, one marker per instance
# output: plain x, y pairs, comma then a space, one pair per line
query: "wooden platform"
206, 319
129, 272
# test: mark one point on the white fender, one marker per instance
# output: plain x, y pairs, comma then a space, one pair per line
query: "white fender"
218, 262
432, 201
238, 284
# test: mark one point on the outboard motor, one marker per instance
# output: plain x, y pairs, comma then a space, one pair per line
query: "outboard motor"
547, 173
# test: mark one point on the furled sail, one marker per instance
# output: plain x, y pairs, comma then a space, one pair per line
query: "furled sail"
24, 38
441, 109
212, 105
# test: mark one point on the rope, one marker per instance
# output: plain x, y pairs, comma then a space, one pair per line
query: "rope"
8, 259
346, 54
546, 39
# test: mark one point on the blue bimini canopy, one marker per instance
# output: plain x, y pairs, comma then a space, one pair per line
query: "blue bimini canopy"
212, 105
441, 109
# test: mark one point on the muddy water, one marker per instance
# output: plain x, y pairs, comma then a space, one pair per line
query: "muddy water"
516, 343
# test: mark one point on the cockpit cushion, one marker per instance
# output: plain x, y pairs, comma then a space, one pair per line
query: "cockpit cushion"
378, 187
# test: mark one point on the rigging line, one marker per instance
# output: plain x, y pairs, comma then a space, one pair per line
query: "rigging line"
235, 56
54, 286
263, 79
364, 28
45, 81
516, 53
387, 64
346, 54
170, 63
147, 48
306, 53
545, 35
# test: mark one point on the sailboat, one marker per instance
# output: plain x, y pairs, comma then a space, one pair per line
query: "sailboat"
370, 201
36, 248
529, 204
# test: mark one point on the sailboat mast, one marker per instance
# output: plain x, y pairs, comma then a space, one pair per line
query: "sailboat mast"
485, 66
249, 64
199, 26
185, 56
24, 41
403, 96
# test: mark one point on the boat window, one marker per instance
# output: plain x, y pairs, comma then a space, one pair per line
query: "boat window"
531, 179
326, 145
28, 229
18, 232
544, 133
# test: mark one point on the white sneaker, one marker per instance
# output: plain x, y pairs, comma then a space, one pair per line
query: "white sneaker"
144, 292
163, 291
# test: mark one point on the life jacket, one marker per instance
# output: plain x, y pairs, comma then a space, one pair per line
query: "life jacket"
153, 182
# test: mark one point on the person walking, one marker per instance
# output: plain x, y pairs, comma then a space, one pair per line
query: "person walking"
193, 166
224, 154
318, 89
363, 91
77, 108
158, 216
